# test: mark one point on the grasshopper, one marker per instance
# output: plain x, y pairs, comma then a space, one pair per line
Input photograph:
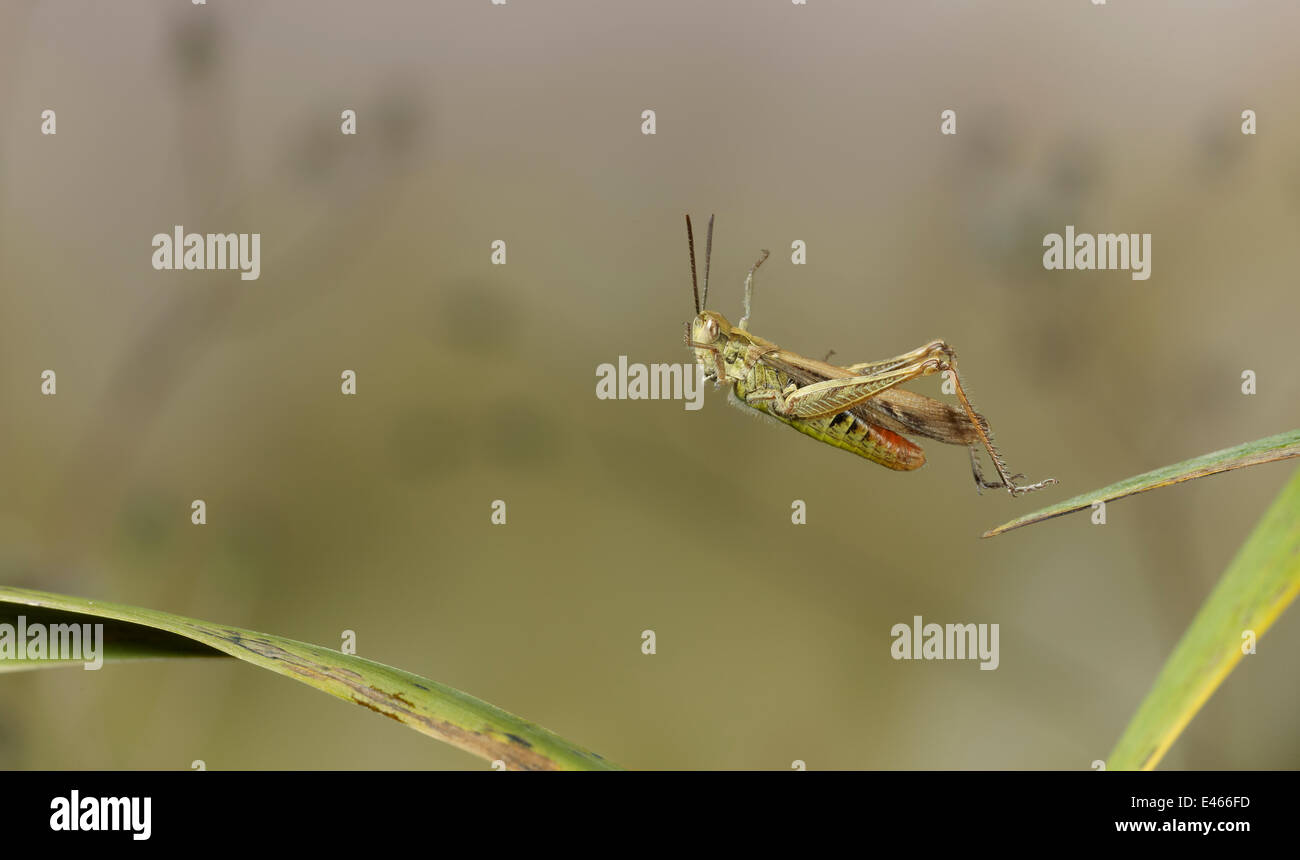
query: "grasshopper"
858, 407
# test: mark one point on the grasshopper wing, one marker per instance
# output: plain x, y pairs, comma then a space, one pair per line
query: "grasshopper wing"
894, 409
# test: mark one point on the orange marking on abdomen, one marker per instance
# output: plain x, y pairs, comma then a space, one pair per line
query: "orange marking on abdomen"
907, 454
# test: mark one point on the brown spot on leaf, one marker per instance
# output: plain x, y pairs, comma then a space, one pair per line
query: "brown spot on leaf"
366, 704
515, 751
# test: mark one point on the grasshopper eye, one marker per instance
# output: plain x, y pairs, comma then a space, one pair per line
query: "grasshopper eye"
711, 328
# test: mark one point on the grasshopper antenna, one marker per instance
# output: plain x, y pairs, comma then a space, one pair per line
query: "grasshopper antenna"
708, 256
690, 243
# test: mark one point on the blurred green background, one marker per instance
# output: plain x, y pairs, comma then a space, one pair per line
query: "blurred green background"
476, 382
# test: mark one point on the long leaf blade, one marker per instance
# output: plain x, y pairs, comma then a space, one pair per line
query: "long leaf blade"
1266, 450
431, 708
1258, 585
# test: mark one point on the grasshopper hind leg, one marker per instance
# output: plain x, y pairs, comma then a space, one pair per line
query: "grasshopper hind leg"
1005, 480
982, 483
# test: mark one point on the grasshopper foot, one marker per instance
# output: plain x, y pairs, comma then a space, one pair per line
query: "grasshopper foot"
1009, 483
1029, 488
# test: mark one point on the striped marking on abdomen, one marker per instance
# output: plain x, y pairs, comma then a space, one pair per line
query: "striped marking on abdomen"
846, 430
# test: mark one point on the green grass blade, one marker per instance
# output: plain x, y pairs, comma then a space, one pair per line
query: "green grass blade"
1266, 450
1259, 584
434, 709
122, 640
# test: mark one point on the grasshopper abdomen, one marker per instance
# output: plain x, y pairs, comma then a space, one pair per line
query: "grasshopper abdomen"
842, 430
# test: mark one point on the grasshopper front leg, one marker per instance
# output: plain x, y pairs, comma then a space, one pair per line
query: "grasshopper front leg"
840, 395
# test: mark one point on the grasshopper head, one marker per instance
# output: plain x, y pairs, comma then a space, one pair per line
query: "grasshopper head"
710, 332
